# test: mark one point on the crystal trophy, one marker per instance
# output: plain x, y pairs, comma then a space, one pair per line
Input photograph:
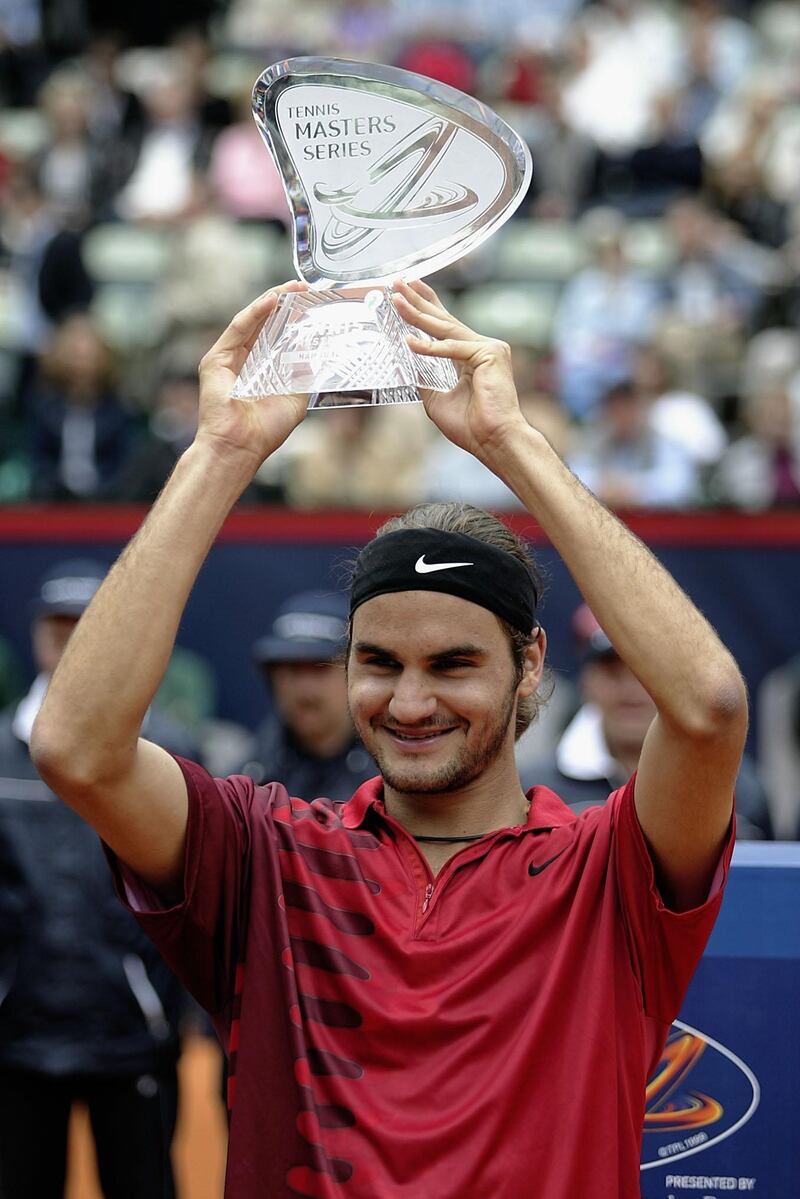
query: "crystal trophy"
389, 175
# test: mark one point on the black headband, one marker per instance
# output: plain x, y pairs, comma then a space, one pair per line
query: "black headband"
429, 560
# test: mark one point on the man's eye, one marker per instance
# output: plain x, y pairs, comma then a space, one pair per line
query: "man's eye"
454, 663
383, 663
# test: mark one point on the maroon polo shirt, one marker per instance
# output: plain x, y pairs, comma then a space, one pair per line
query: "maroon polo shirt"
484, 1034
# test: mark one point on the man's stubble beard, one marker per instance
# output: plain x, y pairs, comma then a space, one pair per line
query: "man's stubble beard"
461, 770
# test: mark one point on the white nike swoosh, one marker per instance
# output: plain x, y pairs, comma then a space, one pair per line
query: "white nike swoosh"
425, 568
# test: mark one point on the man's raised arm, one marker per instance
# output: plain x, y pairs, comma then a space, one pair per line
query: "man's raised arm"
684, 784
86, 741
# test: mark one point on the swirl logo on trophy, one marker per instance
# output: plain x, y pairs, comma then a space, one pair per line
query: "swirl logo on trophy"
388, 175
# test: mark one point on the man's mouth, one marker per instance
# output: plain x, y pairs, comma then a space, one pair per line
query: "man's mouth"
419, 736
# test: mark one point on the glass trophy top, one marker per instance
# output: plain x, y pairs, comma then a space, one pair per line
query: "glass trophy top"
388, 174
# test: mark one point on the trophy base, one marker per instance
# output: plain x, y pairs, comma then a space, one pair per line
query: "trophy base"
358, 399
344, 348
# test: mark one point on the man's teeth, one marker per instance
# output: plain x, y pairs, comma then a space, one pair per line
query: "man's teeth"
419, 736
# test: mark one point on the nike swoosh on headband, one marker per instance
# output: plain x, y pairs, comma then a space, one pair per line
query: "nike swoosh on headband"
425, 568
534, 870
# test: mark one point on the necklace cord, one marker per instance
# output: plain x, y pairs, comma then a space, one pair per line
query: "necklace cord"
450, 840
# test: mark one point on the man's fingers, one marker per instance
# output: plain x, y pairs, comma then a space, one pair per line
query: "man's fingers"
438, 324
293, 286
421, 297
426, 291
446, 347
431, 323
240, 335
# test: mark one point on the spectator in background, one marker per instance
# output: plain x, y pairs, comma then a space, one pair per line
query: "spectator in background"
626, 463
89, 1011
624, 53
69, 162
114, 119
242, 171
361, 457
12, 682
668, 163
94, 139
681, 416
45, 262
281, 23
739, 192
115, 114
761, 469
736, 147
192, 49
174, 146
778, 726
210, 267
363, 29
171, 427
81, 434
565, 158
600, 747
604, 312
718, 45
711, 295
759, 123
309, 741
442, 57
450, 473
701, 89
23, 62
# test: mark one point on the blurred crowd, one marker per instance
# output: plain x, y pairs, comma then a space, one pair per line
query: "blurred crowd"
649, 284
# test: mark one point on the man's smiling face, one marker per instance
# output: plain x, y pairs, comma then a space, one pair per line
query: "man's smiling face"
432, 689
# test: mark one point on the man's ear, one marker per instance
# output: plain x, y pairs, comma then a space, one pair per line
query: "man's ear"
533, 665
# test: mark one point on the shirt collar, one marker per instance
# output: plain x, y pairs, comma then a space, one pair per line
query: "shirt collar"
368, 795
546, 810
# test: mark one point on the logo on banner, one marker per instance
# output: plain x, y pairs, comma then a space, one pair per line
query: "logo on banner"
700, 1094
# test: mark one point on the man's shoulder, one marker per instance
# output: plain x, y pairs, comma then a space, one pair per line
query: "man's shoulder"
270, 798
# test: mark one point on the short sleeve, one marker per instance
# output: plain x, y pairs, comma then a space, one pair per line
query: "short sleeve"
201, 937
665, 945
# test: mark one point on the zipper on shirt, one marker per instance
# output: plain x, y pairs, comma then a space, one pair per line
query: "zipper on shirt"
433, 887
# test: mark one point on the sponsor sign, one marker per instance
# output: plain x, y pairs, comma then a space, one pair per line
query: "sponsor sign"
721, 1109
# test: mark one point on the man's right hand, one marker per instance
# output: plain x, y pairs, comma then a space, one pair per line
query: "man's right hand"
254, 428
481, 414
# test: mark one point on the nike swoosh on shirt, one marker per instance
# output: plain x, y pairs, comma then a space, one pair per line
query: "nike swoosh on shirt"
534, 870
425, 568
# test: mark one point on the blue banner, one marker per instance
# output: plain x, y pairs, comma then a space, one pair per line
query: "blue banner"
722, 1106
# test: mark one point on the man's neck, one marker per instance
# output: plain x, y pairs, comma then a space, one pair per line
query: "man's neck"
494, 800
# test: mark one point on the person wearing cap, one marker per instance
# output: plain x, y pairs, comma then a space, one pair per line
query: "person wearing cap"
600, 747
444, 986
88, 1010
308, 741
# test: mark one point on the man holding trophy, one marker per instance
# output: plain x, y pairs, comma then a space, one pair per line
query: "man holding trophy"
444, 987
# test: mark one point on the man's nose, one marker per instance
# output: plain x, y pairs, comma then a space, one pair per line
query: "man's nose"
412, 699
